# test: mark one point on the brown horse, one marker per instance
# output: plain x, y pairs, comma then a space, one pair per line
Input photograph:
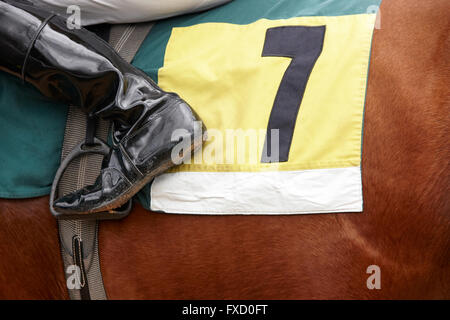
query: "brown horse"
404, 229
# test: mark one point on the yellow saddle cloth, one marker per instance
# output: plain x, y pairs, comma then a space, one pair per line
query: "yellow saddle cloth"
304, 76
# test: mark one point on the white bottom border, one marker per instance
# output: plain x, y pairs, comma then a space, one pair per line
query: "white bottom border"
271, 193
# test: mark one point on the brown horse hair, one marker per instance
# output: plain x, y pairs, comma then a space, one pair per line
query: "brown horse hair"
404, 228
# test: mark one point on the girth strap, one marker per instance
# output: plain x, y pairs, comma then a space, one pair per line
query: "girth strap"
79, 238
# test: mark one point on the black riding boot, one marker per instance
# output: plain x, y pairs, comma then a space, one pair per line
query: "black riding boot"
77, 67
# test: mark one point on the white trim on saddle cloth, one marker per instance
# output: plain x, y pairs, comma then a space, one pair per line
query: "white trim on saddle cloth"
271, 193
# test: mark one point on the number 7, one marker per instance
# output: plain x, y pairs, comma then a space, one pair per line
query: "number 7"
304, 45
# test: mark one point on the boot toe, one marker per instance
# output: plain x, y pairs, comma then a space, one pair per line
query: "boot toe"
108, 192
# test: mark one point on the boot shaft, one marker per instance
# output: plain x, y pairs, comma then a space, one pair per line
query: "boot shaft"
71, 66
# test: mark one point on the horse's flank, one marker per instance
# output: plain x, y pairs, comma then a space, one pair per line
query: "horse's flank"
404, 228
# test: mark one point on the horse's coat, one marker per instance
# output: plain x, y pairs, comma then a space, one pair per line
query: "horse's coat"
404, 228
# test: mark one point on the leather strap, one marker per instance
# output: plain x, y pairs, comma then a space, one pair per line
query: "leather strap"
31, 45
79, 238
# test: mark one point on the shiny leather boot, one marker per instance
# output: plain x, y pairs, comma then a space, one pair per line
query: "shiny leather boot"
77, 67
